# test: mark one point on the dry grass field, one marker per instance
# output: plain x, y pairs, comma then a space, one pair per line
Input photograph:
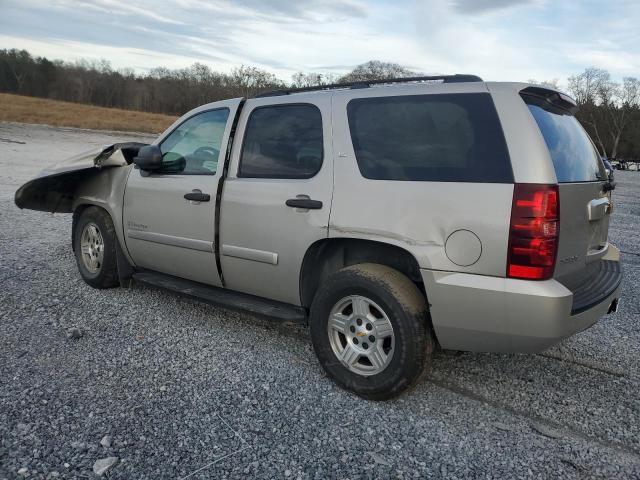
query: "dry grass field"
17, 108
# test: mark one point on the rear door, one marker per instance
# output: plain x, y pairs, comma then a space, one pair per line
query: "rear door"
277, 197
584, 207
164, 230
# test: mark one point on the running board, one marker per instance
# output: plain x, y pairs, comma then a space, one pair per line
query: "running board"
225, 298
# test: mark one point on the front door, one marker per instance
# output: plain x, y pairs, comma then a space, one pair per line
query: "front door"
277, 198
169, 215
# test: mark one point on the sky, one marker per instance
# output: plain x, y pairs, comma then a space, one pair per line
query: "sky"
514, 40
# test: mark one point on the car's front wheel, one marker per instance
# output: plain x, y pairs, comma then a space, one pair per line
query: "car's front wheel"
369, 328
94, 245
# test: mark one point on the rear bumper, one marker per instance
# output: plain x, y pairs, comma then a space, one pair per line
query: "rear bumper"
491, 314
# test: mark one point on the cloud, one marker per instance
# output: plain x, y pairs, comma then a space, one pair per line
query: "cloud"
120, 57
121, 8
276, 11
623, 63
481, 6
496, 39
307, 9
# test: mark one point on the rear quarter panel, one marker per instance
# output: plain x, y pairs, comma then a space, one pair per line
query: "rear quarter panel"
530, 159
417, 216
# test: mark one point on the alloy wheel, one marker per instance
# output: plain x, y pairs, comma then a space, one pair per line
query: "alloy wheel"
361, 335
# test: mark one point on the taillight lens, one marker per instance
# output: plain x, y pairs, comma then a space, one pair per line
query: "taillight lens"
534, 230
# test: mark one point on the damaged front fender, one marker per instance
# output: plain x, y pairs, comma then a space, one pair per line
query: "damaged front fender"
55, 188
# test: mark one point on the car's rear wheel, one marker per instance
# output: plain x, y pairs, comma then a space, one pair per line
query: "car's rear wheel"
94, 244
369, 328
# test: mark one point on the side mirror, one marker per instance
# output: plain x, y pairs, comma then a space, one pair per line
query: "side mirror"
609, 168
149, 158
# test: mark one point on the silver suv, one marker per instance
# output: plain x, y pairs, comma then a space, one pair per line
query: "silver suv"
394, 216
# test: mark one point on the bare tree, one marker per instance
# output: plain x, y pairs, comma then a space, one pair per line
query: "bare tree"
248, 81
19, 65
553, 83
301, 79
620, 101
587, 89
377, 70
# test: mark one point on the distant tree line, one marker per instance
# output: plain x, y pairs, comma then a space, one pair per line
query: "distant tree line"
609, 111
161, 90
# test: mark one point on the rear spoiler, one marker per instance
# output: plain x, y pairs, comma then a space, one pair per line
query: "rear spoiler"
546, 97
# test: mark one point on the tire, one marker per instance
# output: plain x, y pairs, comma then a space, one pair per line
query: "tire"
103, 272
379, 296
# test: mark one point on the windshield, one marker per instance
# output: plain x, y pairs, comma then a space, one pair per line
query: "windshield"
574, 157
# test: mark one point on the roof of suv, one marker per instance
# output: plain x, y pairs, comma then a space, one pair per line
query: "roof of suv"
424, 80
457, 78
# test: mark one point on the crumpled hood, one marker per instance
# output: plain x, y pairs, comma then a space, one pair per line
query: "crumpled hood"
53, 189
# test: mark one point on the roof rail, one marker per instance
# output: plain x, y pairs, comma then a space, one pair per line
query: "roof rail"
457, 78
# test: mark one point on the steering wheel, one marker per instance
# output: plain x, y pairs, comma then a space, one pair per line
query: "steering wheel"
208, 151
202, 155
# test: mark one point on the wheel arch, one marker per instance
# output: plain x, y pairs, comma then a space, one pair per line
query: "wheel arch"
329, 255
82, 204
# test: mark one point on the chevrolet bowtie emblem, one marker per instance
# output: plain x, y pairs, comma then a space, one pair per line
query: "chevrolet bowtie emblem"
360, 334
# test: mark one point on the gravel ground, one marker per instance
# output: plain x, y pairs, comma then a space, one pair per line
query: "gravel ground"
186, 390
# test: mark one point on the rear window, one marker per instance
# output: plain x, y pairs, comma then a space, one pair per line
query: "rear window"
440, 138
575, 159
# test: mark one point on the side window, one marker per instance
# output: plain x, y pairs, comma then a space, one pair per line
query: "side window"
194, 147
282, 141
438, 138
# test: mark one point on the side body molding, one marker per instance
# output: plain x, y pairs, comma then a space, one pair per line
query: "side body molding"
250, 254
190, 243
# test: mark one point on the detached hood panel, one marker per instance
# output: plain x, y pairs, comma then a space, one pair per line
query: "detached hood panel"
54, 188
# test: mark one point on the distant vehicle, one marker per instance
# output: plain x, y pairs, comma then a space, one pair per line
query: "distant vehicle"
626, 164
393, 216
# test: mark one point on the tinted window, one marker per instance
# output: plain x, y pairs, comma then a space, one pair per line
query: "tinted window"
283, 141
194, 147
574, 157
442, 138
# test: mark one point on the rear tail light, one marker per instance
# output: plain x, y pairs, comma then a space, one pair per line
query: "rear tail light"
533, 234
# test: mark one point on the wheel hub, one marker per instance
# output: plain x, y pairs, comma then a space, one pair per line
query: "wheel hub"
361, 335
92, 247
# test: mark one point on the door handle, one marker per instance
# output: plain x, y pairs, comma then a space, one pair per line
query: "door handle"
305, 203
197, 196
